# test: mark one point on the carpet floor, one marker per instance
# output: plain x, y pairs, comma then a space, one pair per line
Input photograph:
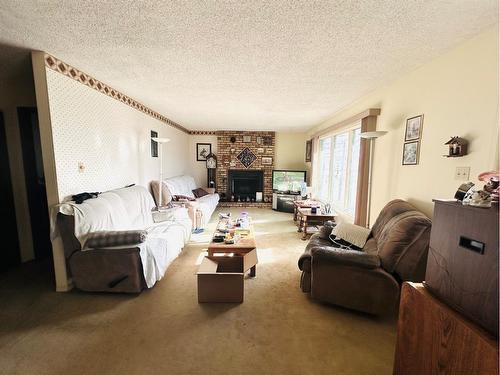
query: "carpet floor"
276, 330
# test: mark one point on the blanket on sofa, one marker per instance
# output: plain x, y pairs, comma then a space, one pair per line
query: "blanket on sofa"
130, 209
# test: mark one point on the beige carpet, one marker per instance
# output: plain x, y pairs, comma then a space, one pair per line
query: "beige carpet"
277, 330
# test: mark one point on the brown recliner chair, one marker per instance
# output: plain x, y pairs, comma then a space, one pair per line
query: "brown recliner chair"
369, 280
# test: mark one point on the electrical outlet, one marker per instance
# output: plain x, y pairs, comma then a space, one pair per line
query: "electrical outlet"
81, 167
462, 173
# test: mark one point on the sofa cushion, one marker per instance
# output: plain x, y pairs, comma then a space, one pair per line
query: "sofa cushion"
391, 209
103, 239
353, 258
402, 242
139, 203
181, 185
166, 197
199, 192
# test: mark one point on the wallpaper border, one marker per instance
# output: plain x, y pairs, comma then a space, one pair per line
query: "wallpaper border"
203, 132
60, 66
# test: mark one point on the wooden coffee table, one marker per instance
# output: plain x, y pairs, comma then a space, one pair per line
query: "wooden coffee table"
243, 246
308, 219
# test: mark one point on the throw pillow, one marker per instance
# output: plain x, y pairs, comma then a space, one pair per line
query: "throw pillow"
350, 235
199, 192
166, 197
177, 198
97, 240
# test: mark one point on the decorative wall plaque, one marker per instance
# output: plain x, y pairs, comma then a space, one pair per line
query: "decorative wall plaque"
246, 157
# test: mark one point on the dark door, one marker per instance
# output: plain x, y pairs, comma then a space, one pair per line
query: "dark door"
9, 250
35, 181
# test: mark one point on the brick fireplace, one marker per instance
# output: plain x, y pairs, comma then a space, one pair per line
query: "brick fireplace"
240, 151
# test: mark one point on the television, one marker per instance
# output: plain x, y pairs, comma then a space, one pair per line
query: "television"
288, 182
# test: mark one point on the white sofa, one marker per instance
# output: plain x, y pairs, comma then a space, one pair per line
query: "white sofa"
200, 209
128, 268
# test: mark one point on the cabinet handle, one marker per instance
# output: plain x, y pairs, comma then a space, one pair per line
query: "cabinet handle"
470, 244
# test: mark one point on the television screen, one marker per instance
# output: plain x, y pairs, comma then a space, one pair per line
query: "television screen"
288, 181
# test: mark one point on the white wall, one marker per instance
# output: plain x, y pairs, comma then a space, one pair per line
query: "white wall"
290, 151
458, 96
198, 169
111, 140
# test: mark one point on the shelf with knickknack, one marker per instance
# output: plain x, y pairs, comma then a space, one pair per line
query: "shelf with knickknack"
457, 147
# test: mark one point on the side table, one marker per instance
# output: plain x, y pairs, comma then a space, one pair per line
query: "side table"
307, 203
308, 219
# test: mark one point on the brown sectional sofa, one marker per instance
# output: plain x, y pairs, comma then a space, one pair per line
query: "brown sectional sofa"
369, 280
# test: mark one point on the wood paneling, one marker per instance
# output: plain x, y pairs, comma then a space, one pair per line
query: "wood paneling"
435, 339
465, 279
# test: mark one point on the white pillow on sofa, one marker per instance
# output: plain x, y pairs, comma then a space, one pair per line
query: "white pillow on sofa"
351, 233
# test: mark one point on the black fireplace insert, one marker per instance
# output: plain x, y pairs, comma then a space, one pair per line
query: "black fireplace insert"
244, 184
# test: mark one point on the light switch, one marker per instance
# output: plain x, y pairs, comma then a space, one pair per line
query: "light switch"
81, 167
462, 173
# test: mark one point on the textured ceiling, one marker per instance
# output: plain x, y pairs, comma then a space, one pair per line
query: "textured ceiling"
279, 65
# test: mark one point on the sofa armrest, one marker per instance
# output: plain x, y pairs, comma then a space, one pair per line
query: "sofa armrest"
345, 257
109, 239
209, 190
105, 270
187, 204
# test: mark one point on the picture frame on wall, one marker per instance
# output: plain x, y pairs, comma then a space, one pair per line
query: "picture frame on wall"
411, 153
202, 150
267, 160
308, 150
413, 130
247, 138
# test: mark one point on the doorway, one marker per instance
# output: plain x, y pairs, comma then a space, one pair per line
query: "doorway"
10, 241
35, 181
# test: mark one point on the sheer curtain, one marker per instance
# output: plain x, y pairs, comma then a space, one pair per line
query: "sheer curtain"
336, 169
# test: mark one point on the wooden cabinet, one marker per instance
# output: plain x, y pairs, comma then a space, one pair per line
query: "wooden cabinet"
462, 266
435, 339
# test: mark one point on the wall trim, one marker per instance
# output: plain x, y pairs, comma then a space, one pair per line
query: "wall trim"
202, 132
69, 71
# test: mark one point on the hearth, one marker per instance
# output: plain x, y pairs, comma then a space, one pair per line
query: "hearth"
242, 185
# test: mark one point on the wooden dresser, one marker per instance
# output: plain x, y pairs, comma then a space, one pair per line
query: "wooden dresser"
462, 265
435, 339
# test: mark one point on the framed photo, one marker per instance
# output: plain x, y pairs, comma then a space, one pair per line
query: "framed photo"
414, 128
267, 141
410, 153
247, 138
259, 140
267, 160
202, 150
308, 150
260, 150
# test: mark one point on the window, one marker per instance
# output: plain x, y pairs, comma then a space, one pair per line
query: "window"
338, 161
